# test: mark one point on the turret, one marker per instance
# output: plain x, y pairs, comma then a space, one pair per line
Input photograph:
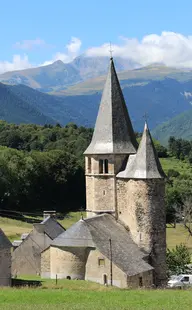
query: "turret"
141, 206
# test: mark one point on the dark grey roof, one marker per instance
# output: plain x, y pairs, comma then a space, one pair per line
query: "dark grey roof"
77, 235
145, 164
113, 131
4, 241
96, 232
51, 227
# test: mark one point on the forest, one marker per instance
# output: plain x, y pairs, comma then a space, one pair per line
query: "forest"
42, 168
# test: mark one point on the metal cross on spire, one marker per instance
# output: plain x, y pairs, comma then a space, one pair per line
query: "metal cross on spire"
145, 116
110, 50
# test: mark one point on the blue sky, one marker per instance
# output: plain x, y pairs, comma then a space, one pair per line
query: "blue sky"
38, 31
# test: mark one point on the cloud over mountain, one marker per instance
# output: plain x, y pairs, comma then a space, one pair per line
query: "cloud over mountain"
169, 48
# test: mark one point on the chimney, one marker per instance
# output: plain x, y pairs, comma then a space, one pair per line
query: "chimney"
51, 213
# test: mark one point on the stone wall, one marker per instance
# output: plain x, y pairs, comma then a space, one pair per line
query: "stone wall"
66, 262
45, 264
95, 272
26, 258
141, 206
144, 280
99, 273
101, 187
5, 267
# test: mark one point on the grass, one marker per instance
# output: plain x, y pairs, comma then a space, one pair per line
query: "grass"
13, 228
80, 299
172, 163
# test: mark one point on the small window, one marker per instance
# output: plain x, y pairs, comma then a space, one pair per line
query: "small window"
100, 166
140, 281
104, 192
89, 165
101, 262
106, 166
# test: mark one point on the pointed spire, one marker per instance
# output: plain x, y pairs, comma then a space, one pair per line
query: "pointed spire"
113, 131
145, 164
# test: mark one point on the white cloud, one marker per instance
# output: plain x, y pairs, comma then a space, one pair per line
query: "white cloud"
72, 51
170, 48
18, 63
30, 44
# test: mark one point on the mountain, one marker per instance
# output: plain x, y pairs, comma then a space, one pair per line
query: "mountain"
14, 109
60, 75
179, 127
161, 100
129, 78
52, 109
159, 91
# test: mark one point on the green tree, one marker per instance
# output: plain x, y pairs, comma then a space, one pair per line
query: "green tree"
177, 260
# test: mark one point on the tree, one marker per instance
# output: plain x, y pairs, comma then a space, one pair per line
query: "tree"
177, 260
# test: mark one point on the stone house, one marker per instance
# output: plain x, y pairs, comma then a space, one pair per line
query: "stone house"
5, 260
97, 249
123, 239
26, 258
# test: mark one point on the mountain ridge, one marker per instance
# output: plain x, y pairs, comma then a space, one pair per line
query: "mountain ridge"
57, 74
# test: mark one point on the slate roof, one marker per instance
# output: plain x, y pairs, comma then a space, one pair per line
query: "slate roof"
77, 235
4, 241
145, 164
113, 133
51, 227
96, 231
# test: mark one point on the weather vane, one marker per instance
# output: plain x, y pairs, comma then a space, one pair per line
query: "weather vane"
110, 50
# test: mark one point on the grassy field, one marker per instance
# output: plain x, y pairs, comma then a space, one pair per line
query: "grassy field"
13, 229
78, 297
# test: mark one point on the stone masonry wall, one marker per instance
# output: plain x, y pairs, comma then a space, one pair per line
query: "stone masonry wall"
147, 280
5, 267
141, 207
101, 188
68, 262
45, 264
96, 273
26, 258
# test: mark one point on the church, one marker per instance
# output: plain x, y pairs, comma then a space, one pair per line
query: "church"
122, 242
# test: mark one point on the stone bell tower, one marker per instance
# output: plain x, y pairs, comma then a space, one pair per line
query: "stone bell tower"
112, 142
141, 205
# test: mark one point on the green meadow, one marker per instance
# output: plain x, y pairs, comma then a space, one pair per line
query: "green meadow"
96, 297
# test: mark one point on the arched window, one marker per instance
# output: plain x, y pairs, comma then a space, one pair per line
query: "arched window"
89, 165
100, 165
106, 168
105, 279
103, 166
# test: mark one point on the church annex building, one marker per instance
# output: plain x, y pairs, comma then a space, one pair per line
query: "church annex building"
122, 241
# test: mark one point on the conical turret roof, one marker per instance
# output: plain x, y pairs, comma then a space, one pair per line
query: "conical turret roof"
145, 164
113, 131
